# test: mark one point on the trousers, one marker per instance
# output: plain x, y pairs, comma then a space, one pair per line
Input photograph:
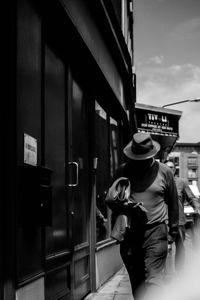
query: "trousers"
180, 249
144, 252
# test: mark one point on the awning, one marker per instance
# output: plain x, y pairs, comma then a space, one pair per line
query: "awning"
195, 190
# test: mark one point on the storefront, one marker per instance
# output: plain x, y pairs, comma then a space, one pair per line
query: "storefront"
161, 123
71, 97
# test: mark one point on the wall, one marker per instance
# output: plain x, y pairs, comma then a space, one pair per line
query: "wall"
108, 262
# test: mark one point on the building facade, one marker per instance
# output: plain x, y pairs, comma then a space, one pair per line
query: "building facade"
70, 112
186, 157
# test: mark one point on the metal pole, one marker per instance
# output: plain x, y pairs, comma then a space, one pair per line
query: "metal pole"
174, 103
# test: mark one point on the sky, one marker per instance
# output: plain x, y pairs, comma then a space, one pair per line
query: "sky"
167, 58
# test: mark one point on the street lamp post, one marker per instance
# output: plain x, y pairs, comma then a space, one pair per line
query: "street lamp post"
174, 103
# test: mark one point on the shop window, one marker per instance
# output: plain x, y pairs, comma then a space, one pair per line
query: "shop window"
115, 149
79, 154
102, 176
108, 151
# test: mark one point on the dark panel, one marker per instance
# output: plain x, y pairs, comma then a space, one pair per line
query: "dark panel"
117, 5
82, 290
82, 278
81, 271
56, 235
57, 284
80, 149
29, 241
29, 257
102, 177
8, 182
29, 77
34, 197
79, 152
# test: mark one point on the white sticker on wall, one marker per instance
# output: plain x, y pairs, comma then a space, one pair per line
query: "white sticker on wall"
30, 150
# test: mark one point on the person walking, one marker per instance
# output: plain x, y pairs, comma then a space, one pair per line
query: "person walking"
144, 246
184, 195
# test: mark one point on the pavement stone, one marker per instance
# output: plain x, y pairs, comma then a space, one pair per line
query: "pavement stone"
117, 288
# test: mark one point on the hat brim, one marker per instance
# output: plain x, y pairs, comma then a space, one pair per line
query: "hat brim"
152, 153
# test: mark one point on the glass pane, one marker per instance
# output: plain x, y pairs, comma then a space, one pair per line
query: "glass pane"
56, 236
80, 132
118, 9
114, 147
102, 177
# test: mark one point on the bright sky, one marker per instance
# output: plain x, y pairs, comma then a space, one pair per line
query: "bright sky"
167, 58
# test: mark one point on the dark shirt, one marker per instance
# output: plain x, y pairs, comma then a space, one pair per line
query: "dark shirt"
155, 188
184, 195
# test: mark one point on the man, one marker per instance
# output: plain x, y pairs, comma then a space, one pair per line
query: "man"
184, 195
145, 245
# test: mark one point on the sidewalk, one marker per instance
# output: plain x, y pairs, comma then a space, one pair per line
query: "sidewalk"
117, 288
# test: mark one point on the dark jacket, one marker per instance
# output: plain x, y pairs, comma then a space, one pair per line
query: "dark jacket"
184, 195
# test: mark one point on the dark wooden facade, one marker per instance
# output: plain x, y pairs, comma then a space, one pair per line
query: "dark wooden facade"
64, 58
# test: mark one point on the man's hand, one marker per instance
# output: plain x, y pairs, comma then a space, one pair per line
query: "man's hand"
197, 211
172, 235
170, 239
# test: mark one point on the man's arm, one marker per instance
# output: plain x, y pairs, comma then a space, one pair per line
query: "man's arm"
172, 201
116, 206
190, 198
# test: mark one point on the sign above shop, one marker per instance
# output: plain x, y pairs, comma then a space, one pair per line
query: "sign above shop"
156, 121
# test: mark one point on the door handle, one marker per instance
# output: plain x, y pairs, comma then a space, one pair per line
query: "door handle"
72, 173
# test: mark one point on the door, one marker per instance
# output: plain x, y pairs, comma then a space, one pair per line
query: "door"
58, 255
66, 148
79, 191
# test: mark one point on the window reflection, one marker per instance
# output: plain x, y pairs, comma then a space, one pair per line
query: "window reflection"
80, 155
102, 178
107, 146
114, 146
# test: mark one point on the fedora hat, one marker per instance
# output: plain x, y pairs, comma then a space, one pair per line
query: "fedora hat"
141, 147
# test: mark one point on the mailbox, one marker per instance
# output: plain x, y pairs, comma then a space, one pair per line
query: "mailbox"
34, 196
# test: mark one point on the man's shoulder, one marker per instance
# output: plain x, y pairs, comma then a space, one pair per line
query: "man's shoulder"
165, 171
181, 183
164, 168
180, 180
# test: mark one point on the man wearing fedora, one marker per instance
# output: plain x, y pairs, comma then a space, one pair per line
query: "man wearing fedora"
145, 245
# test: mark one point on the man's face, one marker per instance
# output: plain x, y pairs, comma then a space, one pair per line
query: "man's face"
171, 165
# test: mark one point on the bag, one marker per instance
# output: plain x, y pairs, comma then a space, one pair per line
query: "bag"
120, 227
120, 190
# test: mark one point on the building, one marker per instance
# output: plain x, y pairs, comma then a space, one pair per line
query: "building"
186, 157
69, 113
